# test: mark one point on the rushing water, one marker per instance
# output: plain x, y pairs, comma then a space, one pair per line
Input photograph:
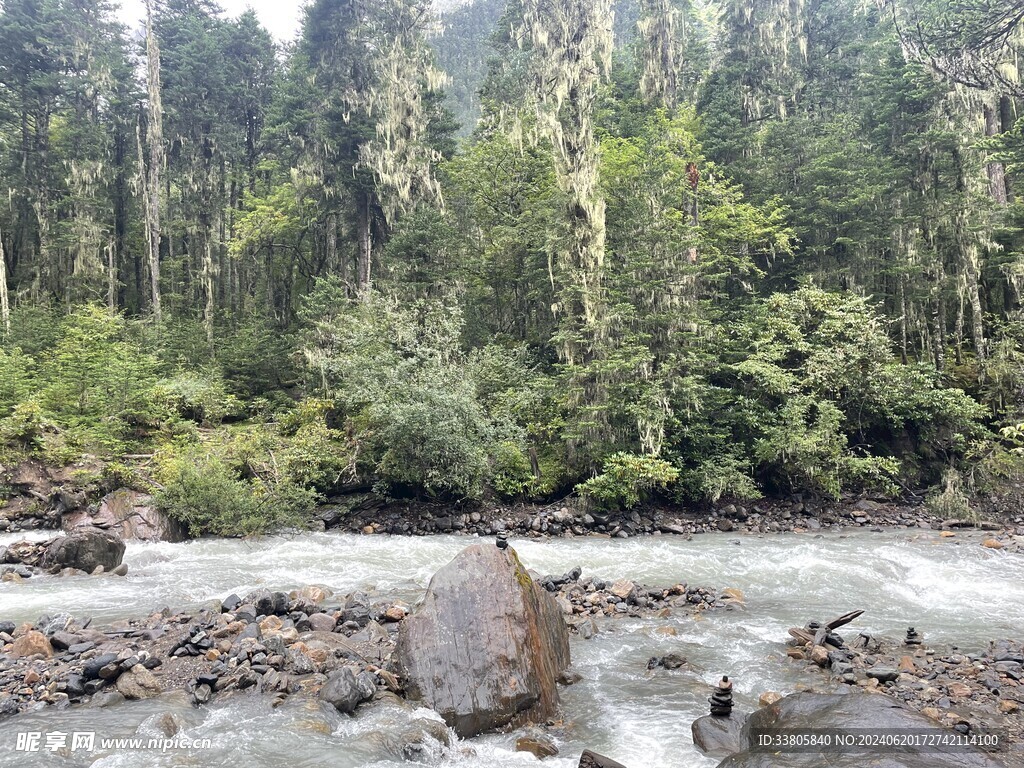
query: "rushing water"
951, 589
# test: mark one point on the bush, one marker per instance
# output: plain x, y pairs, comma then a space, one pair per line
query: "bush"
626, 480
433, 442
951, 502
511, 472
203, 492
201, 398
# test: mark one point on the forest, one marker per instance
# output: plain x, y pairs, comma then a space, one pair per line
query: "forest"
679, 251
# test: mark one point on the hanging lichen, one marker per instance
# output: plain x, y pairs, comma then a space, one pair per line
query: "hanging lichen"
400, 156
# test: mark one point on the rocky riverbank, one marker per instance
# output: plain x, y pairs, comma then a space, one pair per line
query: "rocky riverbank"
973, 693
88, 495
272, 643
369, 514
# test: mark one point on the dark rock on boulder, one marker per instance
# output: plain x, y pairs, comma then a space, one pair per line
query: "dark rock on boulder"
858, 712
486, 645
84, 550
93, 666
719, 736
593, 760
345, 691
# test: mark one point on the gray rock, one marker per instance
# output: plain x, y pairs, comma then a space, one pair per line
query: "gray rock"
130, 515
93, 666
84, 550
860, 712
593, 760
486, 645
344, 691
719, 736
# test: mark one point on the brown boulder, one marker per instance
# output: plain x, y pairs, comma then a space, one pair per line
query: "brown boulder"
130, 515
486, 645
138, 683
30, 644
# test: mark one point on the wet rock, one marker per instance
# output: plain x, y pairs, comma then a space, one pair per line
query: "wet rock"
138, 683
62, 641
719, 736
802, 712
230, 603
593, 760
84, 550
345, 691
321, 622
538, 746
884, 674
485, 646
668, 661
92, 667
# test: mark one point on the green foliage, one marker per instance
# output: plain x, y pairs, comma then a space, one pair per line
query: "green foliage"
205, 493
950, 502
16, 378
626, 480
202, 398
99, 380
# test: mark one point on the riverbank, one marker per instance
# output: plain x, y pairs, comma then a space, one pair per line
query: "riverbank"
274, 643
953, 589
368, 514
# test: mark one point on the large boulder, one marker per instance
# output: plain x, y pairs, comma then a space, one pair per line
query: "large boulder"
856, 713
84, 550
593, 760
485, 647
719, 736
130, 515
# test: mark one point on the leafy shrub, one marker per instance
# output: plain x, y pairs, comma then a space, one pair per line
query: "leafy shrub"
725, 475
511, 472
626, 480
98, 381
203, 492
200, 398
434, 441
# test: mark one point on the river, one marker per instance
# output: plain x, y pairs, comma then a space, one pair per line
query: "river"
952, 590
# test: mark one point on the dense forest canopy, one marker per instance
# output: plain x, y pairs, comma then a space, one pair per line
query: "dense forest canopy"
703, 249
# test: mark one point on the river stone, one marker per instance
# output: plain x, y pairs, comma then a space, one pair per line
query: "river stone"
485, 646
344, 691
84, 550
93, 666
719, 736
130, 515
138, 683
863, 712
593, 760
30, 644
538, 746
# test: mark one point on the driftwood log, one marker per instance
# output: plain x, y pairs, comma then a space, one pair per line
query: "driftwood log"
824, 633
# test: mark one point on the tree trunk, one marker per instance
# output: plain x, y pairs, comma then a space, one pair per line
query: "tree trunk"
154, 136
364, 253
5, 304
996, 170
